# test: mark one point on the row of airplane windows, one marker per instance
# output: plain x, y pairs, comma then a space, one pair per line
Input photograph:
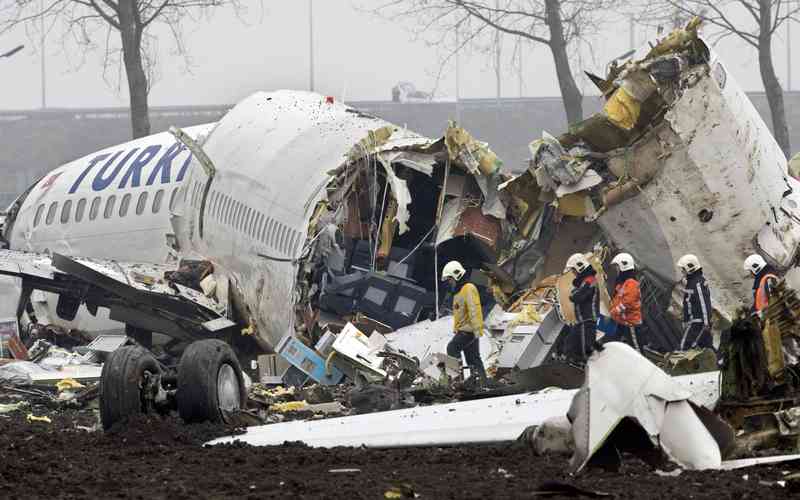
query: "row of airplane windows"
94, 209
247, 220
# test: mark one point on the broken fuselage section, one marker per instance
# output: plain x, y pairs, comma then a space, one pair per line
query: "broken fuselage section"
678, 161
315, 213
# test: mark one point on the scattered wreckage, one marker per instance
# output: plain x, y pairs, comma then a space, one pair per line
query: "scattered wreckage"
325, 248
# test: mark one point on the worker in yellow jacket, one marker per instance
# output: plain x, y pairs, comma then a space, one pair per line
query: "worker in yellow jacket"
467, 318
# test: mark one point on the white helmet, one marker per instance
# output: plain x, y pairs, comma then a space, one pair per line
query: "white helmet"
754, 263
688, 264
577, 262
624, 261
453, 269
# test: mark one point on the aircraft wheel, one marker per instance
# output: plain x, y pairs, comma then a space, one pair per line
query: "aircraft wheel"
210, 382
125, 384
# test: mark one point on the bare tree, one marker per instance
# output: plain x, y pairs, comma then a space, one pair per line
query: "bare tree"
557, 24
91, 24
755, 22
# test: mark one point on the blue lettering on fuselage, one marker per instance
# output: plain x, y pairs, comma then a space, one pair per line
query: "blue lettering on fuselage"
114, 164
100, 182
134, 173
164, 164
94, 161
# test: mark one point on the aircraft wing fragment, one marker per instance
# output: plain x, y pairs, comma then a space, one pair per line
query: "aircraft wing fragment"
136, 294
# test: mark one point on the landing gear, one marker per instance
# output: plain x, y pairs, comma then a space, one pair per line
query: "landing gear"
130, 382
210, 382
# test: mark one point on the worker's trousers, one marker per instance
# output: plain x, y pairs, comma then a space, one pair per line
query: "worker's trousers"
630, 335
581, 340
468, 343
695, 336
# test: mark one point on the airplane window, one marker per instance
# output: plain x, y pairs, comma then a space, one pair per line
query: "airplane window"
38, 218
109, 206
65, 210
79, 209
265, 232
194, 194
172, 198
212, 197
95, 208
259, 226
141, 203
273, 240
284, 234
157, 201
123, 205
51, 213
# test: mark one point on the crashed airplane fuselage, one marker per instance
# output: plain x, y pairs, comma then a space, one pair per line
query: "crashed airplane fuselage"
300, 197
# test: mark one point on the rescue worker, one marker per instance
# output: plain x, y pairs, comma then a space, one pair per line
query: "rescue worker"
586, 297
467, 318
696, 305
626, 305
764, 281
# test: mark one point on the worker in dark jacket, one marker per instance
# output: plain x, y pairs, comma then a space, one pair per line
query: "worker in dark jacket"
626, 305
586, 297
696, 305
764, 280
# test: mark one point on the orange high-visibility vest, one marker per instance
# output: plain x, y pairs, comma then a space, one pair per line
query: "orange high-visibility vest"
761, 293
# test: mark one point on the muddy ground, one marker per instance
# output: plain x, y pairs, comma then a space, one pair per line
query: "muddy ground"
161, 458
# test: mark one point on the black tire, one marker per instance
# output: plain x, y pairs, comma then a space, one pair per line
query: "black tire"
198, 372
120, 384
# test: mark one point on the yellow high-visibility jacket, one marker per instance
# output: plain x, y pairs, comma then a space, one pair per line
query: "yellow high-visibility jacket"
467, 314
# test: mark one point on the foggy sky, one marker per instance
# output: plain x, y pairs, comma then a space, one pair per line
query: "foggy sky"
358, 57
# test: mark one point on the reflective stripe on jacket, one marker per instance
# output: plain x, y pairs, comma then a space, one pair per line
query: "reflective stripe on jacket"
762, 293
697, 300
626, 306
467, 314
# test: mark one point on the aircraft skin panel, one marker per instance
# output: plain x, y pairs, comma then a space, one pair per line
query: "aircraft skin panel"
153, 165
718, 193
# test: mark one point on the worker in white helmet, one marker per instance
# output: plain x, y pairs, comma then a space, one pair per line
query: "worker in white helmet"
467, 318
696, 305
764, 280
585, 296
626, 305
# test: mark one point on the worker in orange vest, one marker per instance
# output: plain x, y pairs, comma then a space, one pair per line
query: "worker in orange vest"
764, 281
626, 305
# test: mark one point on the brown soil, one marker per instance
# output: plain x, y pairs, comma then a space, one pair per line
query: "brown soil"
161, 458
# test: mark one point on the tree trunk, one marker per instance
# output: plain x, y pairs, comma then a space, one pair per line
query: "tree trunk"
772, 87
573, 99
131, 35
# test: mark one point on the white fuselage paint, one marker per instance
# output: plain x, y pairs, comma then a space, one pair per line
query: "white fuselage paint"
112, 204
